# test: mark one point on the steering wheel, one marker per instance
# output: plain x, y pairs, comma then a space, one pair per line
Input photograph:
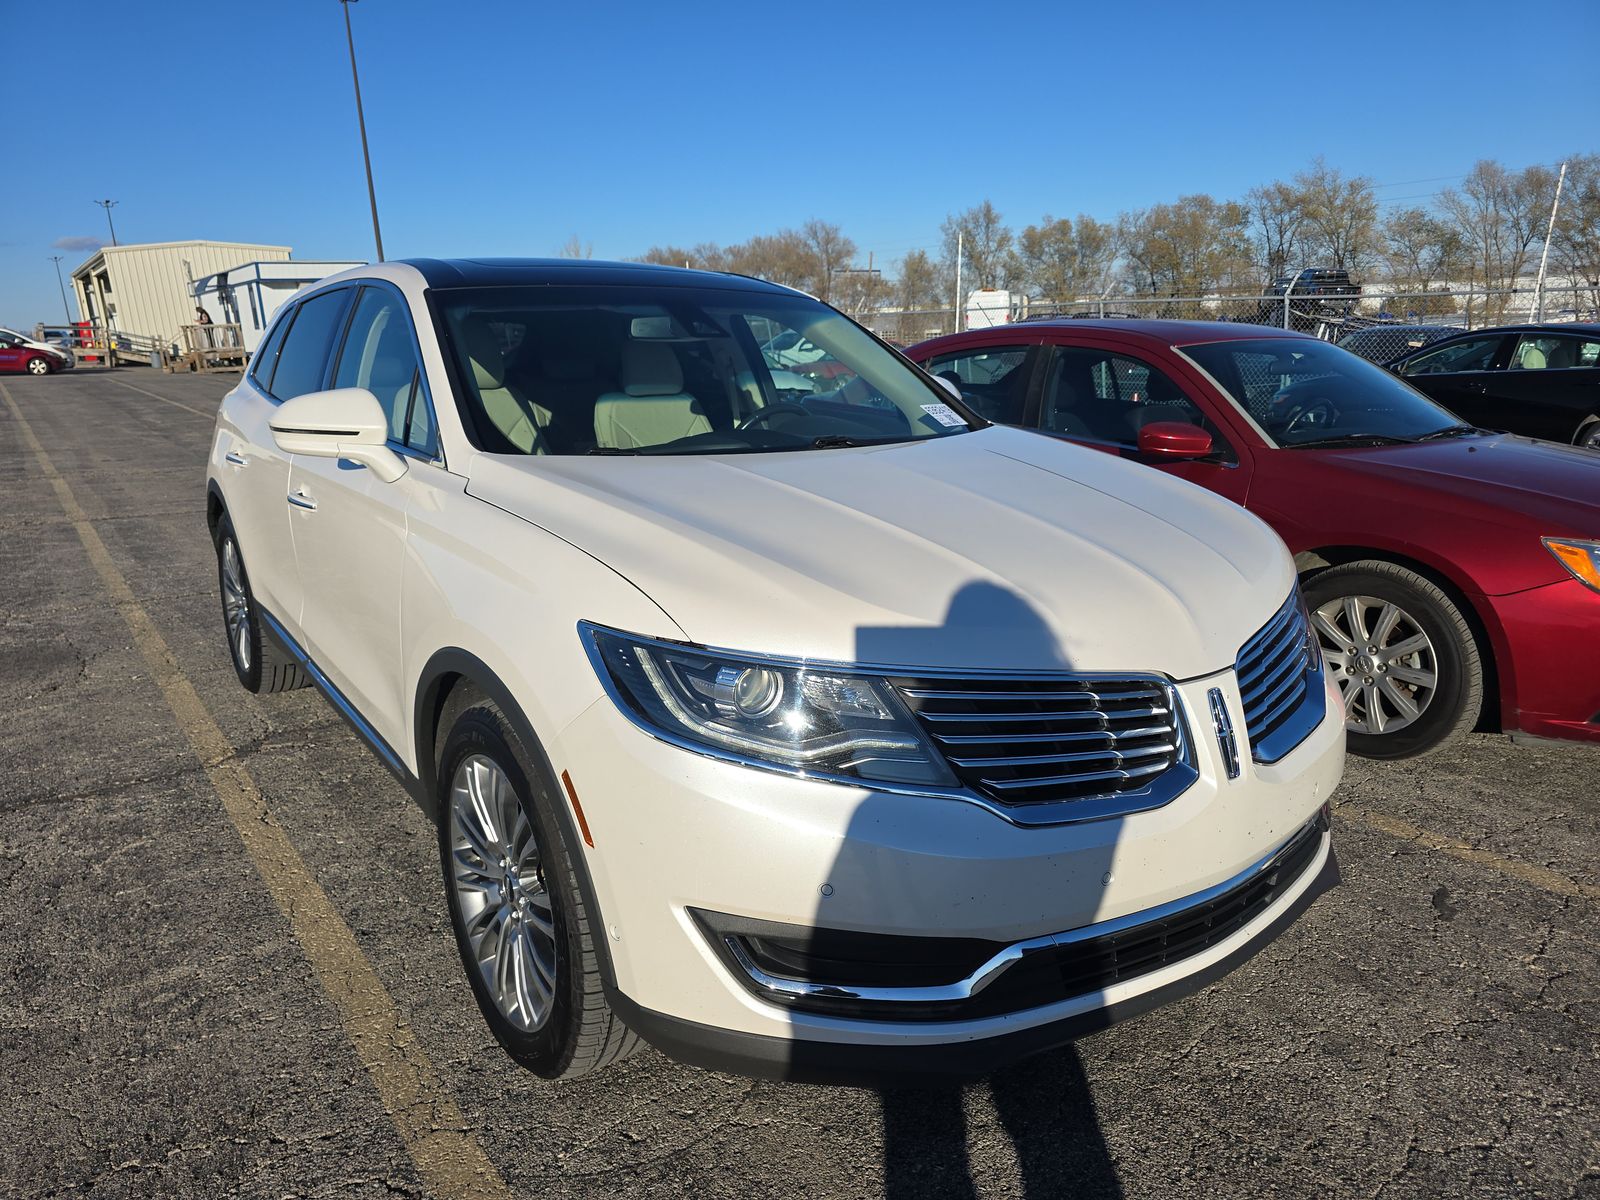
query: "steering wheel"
1315, 414
778, 406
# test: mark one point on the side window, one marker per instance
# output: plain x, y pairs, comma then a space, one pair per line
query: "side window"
1474, 354
1553, 352
304, 354
993, 380
379, 355
266, 356
1103, 396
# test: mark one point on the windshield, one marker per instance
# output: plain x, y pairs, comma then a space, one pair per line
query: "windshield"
1304, 392
667, 370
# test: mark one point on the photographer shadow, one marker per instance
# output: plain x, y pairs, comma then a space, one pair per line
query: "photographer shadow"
1043, 1103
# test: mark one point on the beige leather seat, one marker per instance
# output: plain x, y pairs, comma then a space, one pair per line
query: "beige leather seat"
1531, 358
652, 408
521, 420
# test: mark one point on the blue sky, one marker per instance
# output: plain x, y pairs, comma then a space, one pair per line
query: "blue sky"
501, 127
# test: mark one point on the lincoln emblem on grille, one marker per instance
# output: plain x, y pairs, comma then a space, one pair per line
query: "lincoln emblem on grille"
1226, 742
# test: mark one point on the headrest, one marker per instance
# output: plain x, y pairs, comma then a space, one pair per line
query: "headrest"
482, 345
650, 369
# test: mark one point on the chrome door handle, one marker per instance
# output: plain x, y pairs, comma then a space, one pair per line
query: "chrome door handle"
235, 458
301, 500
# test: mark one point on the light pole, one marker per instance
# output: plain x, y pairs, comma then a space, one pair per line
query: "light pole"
108, 205
65, 307
361, 119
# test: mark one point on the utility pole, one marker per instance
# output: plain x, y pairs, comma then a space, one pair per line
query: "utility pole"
960, 246
361, 119
1544, 257
65, 307
108, 205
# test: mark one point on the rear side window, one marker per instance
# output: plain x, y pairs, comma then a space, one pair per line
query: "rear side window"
1553, 352
993, 380
267, 354
304, 355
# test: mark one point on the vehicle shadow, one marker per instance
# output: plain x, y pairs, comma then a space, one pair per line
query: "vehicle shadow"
1043, 1103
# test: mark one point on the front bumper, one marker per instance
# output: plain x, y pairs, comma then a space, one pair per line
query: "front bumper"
676, 834
1549, 661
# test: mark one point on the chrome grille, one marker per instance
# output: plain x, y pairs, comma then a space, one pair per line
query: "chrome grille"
1280, 682
1099, 745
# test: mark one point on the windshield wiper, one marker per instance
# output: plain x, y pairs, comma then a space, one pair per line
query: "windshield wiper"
1450, 431
610, 450
834, 441
1351, 439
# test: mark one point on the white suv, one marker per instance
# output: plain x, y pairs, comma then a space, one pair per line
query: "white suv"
833, 736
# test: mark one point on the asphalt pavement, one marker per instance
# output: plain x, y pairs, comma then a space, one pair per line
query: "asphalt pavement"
225, 967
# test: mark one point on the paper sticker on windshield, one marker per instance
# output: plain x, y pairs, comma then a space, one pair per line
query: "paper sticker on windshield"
943, 414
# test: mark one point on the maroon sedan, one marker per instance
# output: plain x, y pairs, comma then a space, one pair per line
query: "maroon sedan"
1453, 574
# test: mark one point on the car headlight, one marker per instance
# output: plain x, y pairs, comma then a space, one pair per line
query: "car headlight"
1581, 558
812, 721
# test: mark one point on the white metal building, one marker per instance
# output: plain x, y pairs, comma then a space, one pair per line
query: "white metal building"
248, 295
147, 289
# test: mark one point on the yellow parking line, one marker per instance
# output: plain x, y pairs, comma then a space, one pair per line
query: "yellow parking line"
1539, 877
212, 415
449, 1159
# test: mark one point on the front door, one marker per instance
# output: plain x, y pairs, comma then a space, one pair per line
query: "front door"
350, 526
1461, 376
1103, 395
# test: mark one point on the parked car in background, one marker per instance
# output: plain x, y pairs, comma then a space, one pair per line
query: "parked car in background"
1542, 381
830, 736
1382, 343
22, 354
58, 357
1315, 281
1453, 573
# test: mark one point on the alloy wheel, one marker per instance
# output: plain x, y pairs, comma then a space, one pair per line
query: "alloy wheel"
1590, 437
1385, 663
235, 603
498, 875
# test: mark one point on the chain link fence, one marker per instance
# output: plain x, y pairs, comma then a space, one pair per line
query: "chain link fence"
1377, 324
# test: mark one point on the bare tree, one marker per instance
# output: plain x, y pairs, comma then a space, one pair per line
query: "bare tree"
576, 247
1501, 216
917, 286
1192, 246
1063, 260
988, 257
829, 251
1341, 216
1277, 217
1419, 249
1575, 243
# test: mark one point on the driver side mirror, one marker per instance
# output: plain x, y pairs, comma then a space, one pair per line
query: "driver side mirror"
343, 423
1173, 440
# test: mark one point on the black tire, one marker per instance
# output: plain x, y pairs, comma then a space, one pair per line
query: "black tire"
1455, 703
261, 664
1588, 434
579, 1033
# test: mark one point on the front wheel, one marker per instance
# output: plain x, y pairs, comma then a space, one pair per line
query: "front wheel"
525, 934
38, 366
1405, 659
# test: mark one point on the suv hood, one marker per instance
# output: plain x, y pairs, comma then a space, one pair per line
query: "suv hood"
994, 549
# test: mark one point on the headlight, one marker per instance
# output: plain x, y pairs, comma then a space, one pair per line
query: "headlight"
1581, 558
811, 721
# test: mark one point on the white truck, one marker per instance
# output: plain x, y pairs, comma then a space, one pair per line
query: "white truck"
988, 307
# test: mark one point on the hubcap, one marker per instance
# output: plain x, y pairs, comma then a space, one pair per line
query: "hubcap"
1386, 666
235, 604
37, 366
1591, 437
498, 877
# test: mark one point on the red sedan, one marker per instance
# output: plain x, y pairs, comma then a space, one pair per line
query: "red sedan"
1453, 574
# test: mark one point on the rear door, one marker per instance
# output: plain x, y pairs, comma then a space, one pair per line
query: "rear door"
1103, 393
1550, 386
1460, 375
